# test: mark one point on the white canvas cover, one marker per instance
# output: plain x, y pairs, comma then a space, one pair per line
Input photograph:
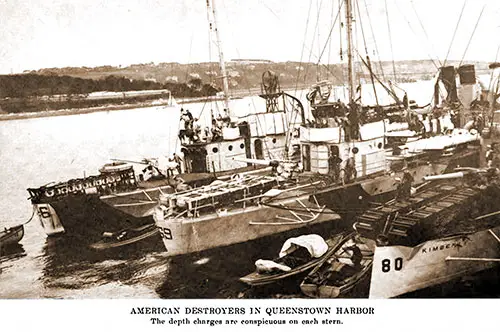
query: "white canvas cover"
264, 265
314, 243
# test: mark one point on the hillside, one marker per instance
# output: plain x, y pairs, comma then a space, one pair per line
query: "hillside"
246, 74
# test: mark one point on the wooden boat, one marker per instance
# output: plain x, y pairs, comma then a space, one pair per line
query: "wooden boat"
339, 272
125, 237
294, 262
12, 235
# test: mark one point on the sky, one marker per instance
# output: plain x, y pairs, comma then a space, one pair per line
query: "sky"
38, 34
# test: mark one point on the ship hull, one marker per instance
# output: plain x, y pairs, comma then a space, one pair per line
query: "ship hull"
284, 216
89, 215
86, 217
398, 270
352, 199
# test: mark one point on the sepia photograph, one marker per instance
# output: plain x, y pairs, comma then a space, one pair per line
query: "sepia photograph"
244, 150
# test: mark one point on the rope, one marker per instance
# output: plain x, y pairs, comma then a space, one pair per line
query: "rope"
472, 35
29, 220
454, 33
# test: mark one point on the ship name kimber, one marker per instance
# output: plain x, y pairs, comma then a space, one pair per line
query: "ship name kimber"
438, 247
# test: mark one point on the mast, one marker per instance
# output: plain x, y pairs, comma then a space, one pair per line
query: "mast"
222, 64
350, 69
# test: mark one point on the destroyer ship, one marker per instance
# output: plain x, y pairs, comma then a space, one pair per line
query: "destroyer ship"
439, 234
340, 152
119, 203
345, 148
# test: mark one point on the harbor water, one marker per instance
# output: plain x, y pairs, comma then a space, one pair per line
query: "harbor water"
38, 151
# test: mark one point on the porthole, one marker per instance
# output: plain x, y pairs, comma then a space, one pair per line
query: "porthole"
242, 146
274, 140
379, 145
215, 150
355, 150
230, 148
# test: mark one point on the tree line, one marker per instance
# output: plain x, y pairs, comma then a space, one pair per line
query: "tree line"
34, 85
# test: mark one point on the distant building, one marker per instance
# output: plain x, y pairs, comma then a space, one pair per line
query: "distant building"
249, 61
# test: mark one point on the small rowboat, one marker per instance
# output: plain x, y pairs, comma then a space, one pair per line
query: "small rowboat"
340, 271
125, 237
12, 235
293, 263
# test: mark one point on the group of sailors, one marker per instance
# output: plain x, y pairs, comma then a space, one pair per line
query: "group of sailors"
191, 130
162, 167
342, 171
345, 117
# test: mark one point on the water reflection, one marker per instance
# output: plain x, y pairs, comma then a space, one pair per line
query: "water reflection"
9, 254
69, 263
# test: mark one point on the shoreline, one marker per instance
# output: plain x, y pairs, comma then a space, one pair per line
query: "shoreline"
115, 107
75, 111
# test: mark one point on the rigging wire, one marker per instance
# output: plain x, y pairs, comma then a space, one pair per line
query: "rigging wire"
330, 33
314, 37
413, 31
455, 32
259, 124
472, 35
329, 39
366, 52
374, 40
390, 40
490, 88
303, 47
318, 71
423, 29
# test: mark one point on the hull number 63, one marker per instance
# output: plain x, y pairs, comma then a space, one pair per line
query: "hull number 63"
165, 233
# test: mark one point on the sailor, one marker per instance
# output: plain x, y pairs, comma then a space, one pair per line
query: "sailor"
349, 169
405, 101
396, 150
492, 156
295, 154
216, 131
196, 130
182, 128
178, 160
188, 115
226, 118
490, 153
334, 162
170, 166
404, 187
356, 256
147, 173
179, 184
